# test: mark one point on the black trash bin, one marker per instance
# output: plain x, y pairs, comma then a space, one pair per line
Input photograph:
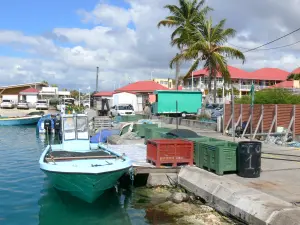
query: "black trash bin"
249, 159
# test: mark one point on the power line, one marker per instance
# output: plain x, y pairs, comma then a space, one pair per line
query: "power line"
265, 49
273, 40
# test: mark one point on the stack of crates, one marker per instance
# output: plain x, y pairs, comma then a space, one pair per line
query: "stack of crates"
131, 118
172, 152
140, 128
155, 133
197, 142
219, 156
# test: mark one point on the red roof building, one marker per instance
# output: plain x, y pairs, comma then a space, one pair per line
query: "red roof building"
141, 87
104, 94
296, 71
29, 91
285, 84
261, 74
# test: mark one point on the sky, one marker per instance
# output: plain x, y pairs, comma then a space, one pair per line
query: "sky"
64, 41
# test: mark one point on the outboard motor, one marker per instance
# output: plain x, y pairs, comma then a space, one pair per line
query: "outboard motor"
57, 125
57, 128
47, 125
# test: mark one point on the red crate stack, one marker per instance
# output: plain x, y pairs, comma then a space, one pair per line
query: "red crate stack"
170, 151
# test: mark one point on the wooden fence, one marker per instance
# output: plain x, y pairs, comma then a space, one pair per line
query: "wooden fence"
266, 118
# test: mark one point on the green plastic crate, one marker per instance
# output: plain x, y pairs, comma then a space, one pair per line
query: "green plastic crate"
218, 156
197, 141
140, 128
132, 118
155, 133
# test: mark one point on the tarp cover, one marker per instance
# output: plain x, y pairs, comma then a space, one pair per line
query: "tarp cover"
101, 136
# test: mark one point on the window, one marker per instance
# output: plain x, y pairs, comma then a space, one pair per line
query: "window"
124, 107
82, 128
69, 128
42, 101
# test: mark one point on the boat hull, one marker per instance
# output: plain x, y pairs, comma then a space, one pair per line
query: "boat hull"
87, 187
19, 121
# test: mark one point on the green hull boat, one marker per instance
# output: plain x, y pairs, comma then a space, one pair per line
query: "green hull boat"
83, 169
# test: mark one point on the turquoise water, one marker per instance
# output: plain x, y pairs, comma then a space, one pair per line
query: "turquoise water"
27, 198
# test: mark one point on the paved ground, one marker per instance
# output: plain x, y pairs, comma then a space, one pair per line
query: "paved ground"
280, 176
20, 112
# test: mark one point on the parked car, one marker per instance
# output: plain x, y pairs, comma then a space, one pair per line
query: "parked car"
122, 110
7, 104
22, 105
86, 104
41, 104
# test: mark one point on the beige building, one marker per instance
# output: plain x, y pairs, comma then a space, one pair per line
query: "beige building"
166, 82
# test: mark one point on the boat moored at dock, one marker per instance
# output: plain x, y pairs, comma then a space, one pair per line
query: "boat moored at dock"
76, 166
17, 121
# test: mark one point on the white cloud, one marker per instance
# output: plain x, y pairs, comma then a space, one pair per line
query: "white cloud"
107, 15
122, 52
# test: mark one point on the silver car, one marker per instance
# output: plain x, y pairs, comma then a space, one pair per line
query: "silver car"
41, 104
22, 105
7, 104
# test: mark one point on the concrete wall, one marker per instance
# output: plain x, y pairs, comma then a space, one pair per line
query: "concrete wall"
190, 123
32, 99
237, 200
15, 98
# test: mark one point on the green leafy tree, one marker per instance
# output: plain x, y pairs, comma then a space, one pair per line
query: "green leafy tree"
207, 43
294, 76
74, 94
45, 82
188, 13
54, 85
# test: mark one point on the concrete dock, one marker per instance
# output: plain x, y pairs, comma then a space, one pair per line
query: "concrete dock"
272, 198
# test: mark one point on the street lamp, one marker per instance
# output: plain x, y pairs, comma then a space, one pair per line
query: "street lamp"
89, 97
151, 74
79, 97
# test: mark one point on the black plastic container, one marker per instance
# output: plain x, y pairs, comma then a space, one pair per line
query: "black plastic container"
249, 159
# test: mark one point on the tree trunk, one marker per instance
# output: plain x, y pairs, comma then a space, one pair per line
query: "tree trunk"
177, 74
203, 109
215, 88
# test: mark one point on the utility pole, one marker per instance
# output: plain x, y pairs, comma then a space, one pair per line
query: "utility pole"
97, 77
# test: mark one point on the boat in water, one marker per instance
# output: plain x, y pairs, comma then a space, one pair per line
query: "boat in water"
19, 120
79, 167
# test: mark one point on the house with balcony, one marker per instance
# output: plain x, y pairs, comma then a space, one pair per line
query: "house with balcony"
166, 82
241, 79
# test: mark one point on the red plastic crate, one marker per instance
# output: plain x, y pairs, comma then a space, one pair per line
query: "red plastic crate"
170, 151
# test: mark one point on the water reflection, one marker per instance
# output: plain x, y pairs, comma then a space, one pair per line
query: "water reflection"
60, 208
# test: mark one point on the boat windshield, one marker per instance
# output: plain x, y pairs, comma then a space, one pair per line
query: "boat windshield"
69, 128
82, 128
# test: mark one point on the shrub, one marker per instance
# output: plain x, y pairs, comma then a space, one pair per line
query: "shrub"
271, 96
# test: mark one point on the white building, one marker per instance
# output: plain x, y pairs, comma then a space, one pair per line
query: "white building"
51, 92
12, 92
30, 95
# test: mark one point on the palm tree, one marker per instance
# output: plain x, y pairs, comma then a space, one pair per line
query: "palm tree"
293, 76
207, 43
189, 13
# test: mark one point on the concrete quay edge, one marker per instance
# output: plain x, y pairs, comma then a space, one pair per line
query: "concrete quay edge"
232, 198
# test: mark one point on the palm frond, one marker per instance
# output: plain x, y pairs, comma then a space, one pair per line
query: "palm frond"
168, 23
230, 52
